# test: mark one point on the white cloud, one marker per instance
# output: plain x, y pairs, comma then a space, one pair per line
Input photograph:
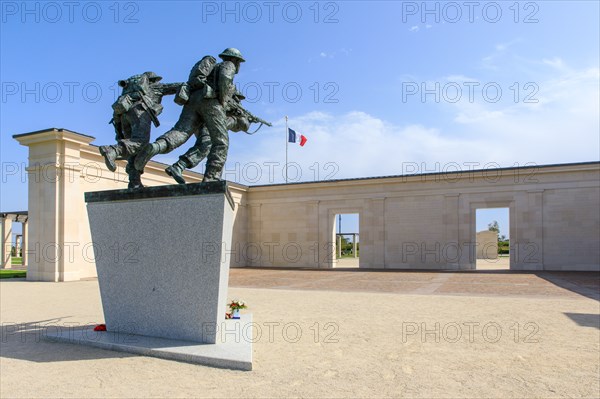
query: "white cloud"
490, 61
555, 62
414, 28
333, 54
459, 78
562, 127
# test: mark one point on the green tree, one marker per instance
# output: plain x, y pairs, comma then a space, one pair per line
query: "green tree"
494, 227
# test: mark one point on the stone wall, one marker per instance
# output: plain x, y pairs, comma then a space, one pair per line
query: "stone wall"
428, 221
63, 165
406, 222
487, 245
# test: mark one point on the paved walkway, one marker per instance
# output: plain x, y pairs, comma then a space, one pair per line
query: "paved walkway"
500, 283
395, 334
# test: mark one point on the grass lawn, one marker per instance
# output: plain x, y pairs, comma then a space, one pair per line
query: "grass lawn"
349, 256
5, 273
16, 261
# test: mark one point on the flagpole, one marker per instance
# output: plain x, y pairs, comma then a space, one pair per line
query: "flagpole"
287, 132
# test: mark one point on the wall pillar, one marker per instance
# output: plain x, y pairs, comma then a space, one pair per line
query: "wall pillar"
252, 251
452, 249
25, 242
55, 204
18, 244
312, 234
6, 243
378, 232
527, 249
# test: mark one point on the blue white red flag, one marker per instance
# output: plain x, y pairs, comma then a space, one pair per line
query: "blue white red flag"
294, 137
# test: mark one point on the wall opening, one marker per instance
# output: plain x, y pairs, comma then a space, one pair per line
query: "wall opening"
347, 241
492, 249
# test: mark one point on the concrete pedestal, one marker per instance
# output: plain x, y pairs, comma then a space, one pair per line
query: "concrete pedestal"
234, 351
161, 258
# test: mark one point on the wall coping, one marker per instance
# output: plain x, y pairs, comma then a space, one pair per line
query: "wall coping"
468, 174
49, 134
41, 136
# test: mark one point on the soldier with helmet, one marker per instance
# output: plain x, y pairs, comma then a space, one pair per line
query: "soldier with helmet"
210, 91
135, 110
194, 155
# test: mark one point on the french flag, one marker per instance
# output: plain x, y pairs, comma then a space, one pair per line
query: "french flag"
294, 137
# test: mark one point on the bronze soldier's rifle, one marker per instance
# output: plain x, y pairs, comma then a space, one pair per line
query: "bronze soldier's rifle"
237, 109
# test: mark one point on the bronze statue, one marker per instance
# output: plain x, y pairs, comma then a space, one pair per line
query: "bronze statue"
135, 110
211, 87
211, 107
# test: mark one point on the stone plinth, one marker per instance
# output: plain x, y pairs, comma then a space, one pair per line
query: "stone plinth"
158, 252
233, 352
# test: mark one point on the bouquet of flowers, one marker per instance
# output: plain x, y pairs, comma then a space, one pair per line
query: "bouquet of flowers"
237, 304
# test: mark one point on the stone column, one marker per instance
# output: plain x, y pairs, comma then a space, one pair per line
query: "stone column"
252, 251
18, 243
6, 243
527, 246
378, 232
339, 246
55, 203
25, 242
452, 250
312, 234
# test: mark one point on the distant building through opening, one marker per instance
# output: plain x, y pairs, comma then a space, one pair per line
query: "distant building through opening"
492, 248
347, 245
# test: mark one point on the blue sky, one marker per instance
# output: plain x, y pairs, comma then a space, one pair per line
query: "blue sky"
344, 72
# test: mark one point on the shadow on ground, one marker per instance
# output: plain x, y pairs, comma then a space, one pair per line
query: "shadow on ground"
26, 341
585, 319
485, 282
582, 283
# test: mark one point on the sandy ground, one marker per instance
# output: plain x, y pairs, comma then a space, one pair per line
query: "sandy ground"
347, 262
501, 263
352, 344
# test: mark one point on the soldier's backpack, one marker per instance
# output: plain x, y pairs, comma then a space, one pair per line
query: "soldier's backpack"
134, 90
197, 79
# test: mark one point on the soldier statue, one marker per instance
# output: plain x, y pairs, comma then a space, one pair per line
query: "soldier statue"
193, 156
206, 96
135, 110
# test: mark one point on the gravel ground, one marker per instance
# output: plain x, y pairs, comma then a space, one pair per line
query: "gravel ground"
327, 343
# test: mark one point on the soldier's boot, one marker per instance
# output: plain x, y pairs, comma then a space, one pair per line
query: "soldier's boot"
148, 151
135, 176
176, 170
212, 173
110, 154
135, 180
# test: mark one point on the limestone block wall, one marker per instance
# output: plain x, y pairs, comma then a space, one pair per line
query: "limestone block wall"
428, 221
63, 165
571, 228
487, 245
406, 222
